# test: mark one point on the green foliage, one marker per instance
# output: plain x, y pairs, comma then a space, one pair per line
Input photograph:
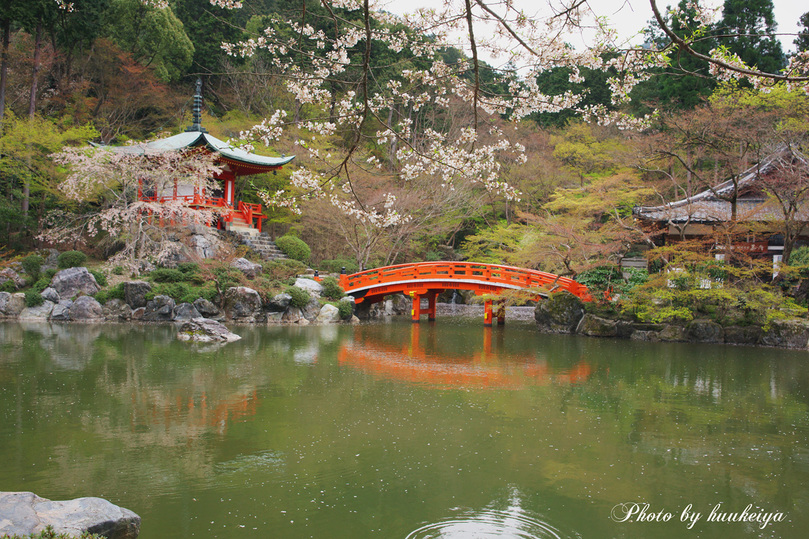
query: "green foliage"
100, 277
8, 286
167, 275
281, 270
118, 270
33, 298
600, 279
336, 265
332, 288
41, 284
182, 292
295, 248
71, 259
188, 268
346, 309
300, 297
49, 533
800, 256
32, 265
116, 292
50, 272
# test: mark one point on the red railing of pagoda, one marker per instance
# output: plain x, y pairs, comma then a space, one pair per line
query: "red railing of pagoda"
481, 278
247, 210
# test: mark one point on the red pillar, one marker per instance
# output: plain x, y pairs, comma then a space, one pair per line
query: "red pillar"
487, 313
416, 310
501, 313
431, 305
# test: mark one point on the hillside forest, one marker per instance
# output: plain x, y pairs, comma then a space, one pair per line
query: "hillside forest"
407, 148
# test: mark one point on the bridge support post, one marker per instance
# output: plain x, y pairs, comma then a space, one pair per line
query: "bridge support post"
501, 313
431, 305
487, 313
415, 311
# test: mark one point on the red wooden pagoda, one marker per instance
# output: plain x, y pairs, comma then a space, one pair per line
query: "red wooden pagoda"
234, 162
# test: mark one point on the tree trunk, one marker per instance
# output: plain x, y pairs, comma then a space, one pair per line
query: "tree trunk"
26, 188
4, 65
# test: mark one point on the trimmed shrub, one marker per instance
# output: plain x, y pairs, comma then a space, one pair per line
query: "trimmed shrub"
118, 270
336, 265
71, 259
8, 286
332, 289
346, 309
32, 265
300, 297
167, 275
100, 278
41, 284
116, 292
33, 298
188, 268
294, 248
50, 272
281, 270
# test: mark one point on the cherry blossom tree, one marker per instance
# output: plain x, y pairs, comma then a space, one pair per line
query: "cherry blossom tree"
129, 197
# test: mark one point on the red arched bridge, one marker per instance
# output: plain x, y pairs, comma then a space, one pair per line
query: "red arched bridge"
428, 279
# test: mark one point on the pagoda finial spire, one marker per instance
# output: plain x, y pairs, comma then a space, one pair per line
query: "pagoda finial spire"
196, 110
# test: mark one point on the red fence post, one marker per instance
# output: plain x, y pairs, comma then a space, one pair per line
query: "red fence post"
415, 312
487, 313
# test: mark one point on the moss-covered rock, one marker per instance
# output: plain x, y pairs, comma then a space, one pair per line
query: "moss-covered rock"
595, 326
787, 334
702, 330
560, 313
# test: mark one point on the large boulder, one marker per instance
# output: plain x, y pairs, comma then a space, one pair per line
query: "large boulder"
279, 302
329, 314
702, 330
205, 330
86, 309
61, 311
159, 309
135, 293
595, 326
293, 315
742, 334
673, 333
250, 269
186, 311
11, 305
560, 313
72, 281
40, 313
51, 294
202, 246
242, 304
310, 285
312, 309
787, 334
207, 309
9, 274
117, 310
25, 513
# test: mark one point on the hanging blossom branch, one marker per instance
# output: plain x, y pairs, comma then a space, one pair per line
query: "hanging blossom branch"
726, 65
334, 77
130, 193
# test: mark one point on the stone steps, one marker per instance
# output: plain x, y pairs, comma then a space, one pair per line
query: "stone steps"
259, 242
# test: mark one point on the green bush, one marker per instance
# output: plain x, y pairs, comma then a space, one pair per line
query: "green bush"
336, 265
281, 270
50, 272
71, 259
332, 288
346, 309
167, 275
33, 298
300, 297
116, 292
188, 268
41, 284
32, 265
8, 286
182, 292
294, 248
118, 270
100, 278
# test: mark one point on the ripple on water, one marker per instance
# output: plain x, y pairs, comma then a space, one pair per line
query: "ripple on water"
489, 523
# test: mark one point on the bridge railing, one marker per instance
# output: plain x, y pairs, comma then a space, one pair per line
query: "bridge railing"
506, 276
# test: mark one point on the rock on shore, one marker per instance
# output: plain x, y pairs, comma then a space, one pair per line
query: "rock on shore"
24, 513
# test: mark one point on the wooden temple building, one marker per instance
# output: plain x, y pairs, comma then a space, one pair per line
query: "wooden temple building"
708, 213
234, 163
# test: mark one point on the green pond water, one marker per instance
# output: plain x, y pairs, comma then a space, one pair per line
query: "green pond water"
444, 429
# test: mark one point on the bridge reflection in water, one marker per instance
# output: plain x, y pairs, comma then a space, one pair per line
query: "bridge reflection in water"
425, 280
486, 368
